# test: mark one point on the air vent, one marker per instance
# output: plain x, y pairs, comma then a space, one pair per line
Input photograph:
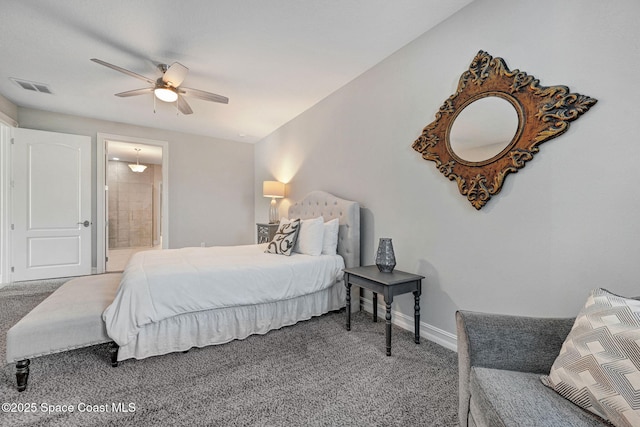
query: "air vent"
32, 86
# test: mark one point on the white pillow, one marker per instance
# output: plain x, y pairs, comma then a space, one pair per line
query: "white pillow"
310, 237
330, 239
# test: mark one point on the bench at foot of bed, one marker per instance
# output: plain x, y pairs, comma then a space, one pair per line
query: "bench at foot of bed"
68, 319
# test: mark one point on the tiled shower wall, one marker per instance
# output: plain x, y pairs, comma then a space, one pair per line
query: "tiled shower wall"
131, 205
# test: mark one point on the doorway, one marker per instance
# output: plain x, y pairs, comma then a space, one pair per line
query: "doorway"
134, 199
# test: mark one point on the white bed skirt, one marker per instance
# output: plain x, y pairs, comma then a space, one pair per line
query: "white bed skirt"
180, 333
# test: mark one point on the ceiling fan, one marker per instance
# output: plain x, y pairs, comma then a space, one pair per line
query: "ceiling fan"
167, 88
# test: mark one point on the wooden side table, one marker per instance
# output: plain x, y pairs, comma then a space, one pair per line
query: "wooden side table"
389, 284
266, 232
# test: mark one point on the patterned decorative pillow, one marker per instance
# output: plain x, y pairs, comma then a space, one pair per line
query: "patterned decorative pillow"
598, 367
285, 238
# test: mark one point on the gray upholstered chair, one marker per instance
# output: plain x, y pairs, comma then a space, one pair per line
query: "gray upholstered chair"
500, 360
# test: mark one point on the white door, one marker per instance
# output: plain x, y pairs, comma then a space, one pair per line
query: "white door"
51, 199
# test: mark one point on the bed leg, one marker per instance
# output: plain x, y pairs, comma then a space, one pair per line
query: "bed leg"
114, 354
22, 374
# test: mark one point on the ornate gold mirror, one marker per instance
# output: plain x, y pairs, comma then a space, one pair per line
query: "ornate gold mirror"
494, 124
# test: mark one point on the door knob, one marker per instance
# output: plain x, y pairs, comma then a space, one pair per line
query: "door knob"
86, 223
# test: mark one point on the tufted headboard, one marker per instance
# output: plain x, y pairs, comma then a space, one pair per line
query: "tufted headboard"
320, 203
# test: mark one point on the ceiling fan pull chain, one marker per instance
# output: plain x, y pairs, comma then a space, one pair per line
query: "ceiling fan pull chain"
154, 104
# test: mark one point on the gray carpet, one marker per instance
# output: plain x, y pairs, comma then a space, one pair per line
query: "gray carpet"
314, 373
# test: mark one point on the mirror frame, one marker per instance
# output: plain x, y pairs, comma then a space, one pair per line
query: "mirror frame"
543, 113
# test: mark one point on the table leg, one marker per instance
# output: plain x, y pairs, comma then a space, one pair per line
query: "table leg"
348, 285
388, 332
416, 310
375, 307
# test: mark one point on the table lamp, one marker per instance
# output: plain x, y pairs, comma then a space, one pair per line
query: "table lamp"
275, 190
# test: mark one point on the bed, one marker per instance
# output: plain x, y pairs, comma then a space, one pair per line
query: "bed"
173, 300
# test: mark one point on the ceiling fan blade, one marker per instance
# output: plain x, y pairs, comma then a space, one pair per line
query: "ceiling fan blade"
175, 74
183, 106
200, 94
135, 92
122, 70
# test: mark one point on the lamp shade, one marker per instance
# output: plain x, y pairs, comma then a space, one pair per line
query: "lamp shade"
273, 189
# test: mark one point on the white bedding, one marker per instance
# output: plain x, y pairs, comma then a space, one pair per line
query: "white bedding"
157, 285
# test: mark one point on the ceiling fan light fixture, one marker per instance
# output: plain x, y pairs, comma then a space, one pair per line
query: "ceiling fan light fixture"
165, 94
168, 87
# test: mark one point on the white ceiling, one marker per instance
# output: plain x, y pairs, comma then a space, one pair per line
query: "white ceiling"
273, 58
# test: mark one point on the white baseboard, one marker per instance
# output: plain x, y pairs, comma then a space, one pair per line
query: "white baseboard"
430, 332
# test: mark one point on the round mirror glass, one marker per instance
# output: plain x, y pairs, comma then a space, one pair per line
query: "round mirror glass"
483, 129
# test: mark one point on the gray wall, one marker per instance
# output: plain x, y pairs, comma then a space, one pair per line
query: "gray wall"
563, 225
210, 180
8, 108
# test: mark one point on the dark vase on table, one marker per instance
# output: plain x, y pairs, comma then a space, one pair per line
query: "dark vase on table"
385, 258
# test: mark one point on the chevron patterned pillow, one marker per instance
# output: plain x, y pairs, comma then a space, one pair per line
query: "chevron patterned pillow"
598, 367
